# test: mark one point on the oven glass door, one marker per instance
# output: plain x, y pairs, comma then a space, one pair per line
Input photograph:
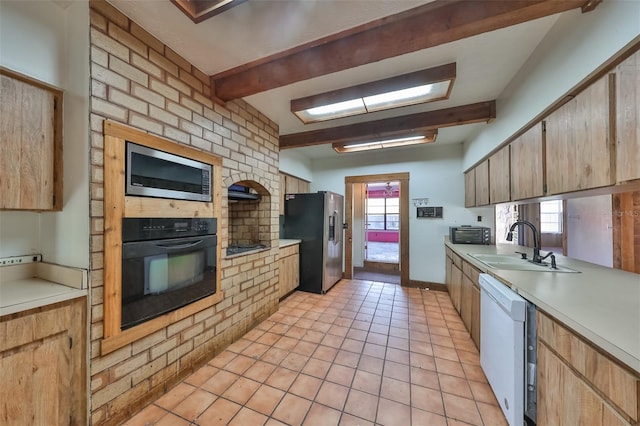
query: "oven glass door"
163, 275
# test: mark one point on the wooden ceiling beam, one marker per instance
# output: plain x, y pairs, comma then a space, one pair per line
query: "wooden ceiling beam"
433, 24
481, 112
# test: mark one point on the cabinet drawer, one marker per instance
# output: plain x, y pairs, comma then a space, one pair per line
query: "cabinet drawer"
457, 260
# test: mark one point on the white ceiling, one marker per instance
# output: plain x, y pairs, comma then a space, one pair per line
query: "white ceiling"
259, 28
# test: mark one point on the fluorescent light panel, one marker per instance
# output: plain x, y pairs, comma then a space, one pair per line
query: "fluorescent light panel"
409, 89
386, 143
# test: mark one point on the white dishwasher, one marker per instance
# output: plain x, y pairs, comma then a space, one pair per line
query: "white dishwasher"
503, 335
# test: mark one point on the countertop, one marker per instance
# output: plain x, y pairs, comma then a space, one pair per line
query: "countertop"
601, 304
285, 243
32, 285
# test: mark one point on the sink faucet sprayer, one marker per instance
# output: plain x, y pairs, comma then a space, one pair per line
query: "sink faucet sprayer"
536, 243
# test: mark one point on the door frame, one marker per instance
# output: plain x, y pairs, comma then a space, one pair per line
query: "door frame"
403, 178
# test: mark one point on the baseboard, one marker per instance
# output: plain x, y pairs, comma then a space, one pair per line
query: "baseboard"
427, 285
381, 266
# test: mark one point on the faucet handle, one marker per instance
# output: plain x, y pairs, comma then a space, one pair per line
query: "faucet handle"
553, 262
523, 255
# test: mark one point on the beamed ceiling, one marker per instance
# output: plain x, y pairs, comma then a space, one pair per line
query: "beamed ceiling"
272, 52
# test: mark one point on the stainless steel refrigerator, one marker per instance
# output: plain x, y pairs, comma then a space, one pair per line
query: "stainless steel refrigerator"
316, 219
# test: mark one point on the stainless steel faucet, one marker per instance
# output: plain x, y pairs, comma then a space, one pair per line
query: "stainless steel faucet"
536, 239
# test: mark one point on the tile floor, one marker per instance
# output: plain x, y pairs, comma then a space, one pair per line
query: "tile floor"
383, 252
365, 353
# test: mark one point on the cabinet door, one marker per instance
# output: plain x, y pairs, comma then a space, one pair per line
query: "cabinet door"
456, 286
579, 140
527, 164
36, 383
30, 140
482, 183
499, 176
628, 119
42, 360
470, 188
289, 270
475, 315
565, 399
465, 301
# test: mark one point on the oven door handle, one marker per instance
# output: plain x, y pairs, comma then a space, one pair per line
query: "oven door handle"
179, 246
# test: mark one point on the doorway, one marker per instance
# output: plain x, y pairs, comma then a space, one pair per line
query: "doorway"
377, 235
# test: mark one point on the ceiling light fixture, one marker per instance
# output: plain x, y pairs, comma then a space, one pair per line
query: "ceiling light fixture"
200, 10
409, 89
386, 143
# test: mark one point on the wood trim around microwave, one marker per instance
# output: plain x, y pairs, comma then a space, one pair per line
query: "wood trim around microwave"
118, 206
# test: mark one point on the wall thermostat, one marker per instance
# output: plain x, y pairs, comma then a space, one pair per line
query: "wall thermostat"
429, 212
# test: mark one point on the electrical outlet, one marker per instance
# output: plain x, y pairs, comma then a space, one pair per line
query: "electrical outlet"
479, 218
16, 260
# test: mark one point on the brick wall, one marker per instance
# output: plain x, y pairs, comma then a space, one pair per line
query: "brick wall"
138, 81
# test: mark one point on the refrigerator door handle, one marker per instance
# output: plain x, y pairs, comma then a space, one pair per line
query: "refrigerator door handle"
332, 227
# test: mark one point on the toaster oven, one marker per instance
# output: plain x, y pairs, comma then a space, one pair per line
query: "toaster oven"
470, 235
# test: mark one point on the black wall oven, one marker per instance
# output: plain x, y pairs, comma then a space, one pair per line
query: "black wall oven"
166, 264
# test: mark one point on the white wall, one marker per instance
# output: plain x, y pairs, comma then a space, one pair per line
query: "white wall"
51, 44
575, 46
434, 173
590, 229
295, 164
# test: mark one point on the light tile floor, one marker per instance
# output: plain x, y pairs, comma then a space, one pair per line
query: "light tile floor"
365, 353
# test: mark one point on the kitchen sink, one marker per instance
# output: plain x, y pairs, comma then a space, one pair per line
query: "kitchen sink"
516, 263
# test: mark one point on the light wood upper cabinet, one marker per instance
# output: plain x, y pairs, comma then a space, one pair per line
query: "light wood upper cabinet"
499, 176
579, 141
31, 144
527, 164
291, 185
628, 119
482, 183
470, 188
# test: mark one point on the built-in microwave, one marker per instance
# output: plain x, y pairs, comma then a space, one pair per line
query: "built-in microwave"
154, 173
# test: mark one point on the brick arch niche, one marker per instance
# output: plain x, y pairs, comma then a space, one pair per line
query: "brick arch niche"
249, 221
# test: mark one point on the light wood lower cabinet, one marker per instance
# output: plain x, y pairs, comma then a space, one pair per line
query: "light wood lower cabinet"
462, 280
289, 262
43, 365
577, 384
455, 292
465, 301
475, 315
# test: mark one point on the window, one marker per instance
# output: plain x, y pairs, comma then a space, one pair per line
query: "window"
383, 213
551, 217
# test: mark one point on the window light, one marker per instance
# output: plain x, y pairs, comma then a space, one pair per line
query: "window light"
386, 143
409, 89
